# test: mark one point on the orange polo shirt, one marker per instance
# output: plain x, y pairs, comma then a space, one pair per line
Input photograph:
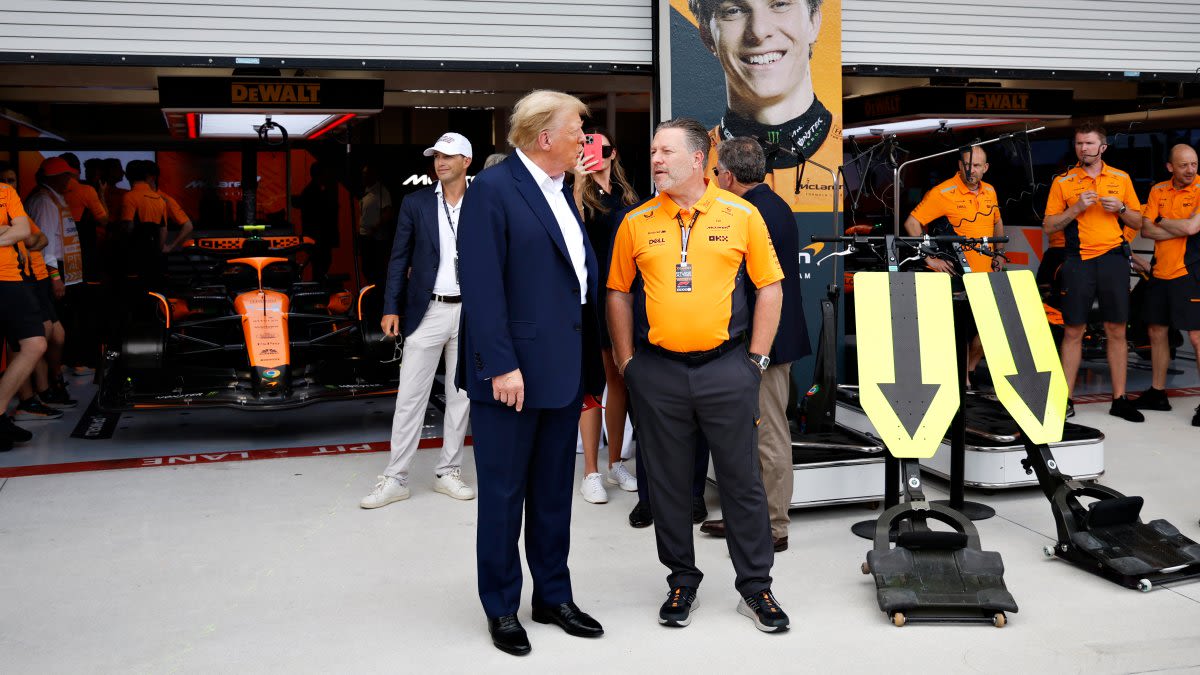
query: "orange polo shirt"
1173, 258
142, 204
727, 233
81, 197
971, 214
14, 259
1096, 231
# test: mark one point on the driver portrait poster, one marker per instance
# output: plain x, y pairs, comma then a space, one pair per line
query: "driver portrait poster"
770, 70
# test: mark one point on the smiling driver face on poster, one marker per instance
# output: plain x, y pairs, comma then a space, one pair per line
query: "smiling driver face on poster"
764, 48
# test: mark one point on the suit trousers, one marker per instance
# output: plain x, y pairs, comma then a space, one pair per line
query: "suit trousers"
673, 403
526, 464
775, 446
436, 337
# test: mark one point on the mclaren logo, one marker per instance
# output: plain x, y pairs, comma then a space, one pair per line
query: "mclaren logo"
807, 255
201, 184
424, 179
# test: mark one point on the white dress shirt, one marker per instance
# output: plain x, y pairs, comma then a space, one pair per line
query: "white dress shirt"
572, 231
446, 282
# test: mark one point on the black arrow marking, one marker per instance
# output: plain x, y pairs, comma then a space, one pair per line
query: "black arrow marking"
1031, 384
909, 396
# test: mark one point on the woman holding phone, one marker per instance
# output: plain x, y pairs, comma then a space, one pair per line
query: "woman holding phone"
603, 195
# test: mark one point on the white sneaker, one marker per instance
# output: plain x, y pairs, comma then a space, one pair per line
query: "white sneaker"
618, 475
592, 489
386, 491
451, 484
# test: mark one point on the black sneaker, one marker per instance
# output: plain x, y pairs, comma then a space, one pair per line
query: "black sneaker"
767, 615
57, 397
12, 432
1070, 408
699, 510
33, 410
677, 610
1152, 399
1124, 408
1196, 417
641, 516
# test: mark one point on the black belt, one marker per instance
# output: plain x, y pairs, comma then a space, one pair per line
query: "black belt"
697, 358
452, 299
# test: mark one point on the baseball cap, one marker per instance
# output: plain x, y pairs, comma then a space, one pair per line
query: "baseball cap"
54, 166
450, 144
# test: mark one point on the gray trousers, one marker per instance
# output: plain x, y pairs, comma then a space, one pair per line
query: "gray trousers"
672, 403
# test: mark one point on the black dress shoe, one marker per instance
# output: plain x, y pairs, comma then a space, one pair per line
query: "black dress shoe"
570, 618
508, 635
641, 516
714, 527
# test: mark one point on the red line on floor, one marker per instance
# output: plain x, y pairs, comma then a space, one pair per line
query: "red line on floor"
215, 457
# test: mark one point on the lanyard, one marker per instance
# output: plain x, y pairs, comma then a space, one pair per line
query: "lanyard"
685, 234
453, 225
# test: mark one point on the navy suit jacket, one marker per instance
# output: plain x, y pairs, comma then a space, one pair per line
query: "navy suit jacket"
791, 340
521, 304
417, 246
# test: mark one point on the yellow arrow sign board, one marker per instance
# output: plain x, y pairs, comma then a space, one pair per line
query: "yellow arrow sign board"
907, 369
1021, 357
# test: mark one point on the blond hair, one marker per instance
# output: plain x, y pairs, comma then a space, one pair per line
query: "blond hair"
535, 113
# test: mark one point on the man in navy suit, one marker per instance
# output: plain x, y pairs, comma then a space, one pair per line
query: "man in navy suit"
423, 285
529, 291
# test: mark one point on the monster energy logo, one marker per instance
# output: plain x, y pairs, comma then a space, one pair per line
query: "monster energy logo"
773, 136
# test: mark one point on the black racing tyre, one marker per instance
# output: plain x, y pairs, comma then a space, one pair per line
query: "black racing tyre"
143, 346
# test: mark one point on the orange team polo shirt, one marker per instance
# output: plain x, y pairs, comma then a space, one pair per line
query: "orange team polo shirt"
14, 259
81, 197
147, 206
728, 232
971, 214
1096, 231
1171, 203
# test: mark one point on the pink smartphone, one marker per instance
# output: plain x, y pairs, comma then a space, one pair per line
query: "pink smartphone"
593, 147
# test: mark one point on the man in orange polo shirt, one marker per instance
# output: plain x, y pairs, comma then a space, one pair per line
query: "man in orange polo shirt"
146, 216
20, 315
1091, 204
971, 208
1171, 218
679, 339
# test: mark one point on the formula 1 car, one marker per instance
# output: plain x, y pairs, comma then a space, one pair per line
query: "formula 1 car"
236, 327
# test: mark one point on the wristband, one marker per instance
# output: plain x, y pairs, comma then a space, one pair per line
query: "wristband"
621, 369
54, 274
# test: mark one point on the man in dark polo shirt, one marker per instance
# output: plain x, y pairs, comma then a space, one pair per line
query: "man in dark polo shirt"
680, 342
741, 167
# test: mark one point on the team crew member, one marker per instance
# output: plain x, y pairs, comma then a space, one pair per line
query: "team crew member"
741, 166
529, 292
422, 285
64, 263
971, 207
20, 316
1090, 204
146, 215
684, 359
1172, 219
91, 218
765, 48
30, 406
